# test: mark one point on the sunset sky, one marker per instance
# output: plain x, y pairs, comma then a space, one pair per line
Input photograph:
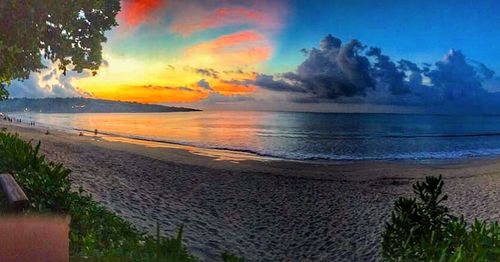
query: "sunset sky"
207, 53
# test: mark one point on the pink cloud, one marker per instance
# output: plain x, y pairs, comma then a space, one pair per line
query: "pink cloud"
241, 48
264, 15
137, 12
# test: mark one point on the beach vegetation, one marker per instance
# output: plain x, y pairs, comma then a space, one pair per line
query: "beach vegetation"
422, 228
95, 232
228, 257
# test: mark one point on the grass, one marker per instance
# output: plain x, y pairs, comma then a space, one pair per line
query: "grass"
95, 232
423, 229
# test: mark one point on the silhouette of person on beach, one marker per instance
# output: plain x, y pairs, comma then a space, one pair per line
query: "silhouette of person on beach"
95, 132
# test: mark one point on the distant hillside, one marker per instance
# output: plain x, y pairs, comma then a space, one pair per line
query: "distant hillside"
82, 105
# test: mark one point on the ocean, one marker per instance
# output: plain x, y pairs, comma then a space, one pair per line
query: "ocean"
300, 136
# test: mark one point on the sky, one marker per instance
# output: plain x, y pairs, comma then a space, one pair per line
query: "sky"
322, 55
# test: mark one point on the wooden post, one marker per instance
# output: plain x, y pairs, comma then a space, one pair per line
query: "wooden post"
15, 195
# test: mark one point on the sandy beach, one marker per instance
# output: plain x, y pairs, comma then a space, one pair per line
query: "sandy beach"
261, 209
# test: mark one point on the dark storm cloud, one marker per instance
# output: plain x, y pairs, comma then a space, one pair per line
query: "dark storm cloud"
330, 42
208, 72
455, 77
412, 72
386, 72
492, 85
204, 84
269, 82
330, 72
483, 69
353, 73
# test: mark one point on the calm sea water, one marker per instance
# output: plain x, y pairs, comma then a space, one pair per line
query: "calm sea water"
303, 136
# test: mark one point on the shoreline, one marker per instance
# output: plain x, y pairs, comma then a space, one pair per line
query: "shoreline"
246, 154
262, 210
226, 157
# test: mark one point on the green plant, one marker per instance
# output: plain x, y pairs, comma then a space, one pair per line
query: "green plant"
228, 257
95, 232
423, 229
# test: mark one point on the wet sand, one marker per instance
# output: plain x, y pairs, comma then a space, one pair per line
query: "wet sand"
261, 209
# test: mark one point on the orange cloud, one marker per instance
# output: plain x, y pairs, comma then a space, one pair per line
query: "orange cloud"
153, 94
224, 16
231, 83
136, 12
238, 49
229, 88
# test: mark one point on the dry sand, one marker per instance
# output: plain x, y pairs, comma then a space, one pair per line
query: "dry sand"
263, 210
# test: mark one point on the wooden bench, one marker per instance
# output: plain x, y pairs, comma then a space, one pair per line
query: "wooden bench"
15, 195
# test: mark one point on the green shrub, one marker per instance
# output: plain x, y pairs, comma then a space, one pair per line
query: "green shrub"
423, 229
228, 257
95, 232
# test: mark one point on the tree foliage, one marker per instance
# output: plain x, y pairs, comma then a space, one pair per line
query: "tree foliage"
69, 33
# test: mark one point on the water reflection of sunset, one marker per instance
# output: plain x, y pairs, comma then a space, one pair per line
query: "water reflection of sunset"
205, 129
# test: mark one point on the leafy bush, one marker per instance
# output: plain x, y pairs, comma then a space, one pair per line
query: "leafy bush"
95, 232
228, 257
423, 229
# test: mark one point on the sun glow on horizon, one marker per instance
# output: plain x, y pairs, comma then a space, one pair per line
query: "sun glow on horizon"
206, 60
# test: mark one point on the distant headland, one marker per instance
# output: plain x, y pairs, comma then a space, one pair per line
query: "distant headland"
83, 105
